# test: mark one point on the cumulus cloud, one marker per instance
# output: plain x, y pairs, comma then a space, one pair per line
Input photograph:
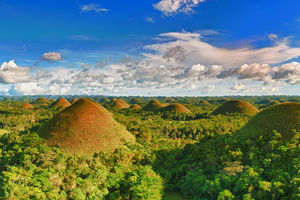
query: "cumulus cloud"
169, 7
176, 63
189, 48
253, 71
51, 56
93, 7
10, 72
289, 73
238, 86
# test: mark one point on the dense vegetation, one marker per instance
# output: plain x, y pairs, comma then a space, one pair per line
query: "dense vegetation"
193, 155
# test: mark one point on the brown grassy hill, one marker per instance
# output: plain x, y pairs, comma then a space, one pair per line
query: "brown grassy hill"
42, 100
61, 104
236, 106
154, 105
136, 101
170, 101
74, 100
175, 107
284, 118
119, 104
204, 102
105, 100
135, 107
27, 106
269, 104
85, 128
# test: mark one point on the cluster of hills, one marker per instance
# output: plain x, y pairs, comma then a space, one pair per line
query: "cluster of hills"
87, 127
198, 148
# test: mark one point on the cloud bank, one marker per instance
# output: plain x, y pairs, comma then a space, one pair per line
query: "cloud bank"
178, 63
12, 73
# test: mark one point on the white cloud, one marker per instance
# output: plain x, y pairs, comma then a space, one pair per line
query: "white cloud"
93, 7
253, 71
238, 86
169, 7
51, 56
150, 19
189, 48
178, 63
272, 36
289, 73
10, 72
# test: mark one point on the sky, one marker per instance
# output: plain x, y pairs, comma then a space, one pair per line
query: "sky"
150, 47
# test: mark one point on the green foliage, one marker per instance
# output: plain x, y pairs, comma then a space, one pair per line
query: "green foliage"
177, 156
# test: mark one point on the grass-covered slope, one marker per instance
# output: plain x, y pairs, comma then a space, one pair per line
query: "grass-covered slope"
135, 107
236, 106
284, 118
85, 128
42, 100
61, 104
176, 107
119, 104
74, 100
27, 106
154, 105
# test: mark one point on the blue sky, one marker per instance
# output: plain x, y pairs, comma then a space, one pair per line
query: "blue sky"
142, 47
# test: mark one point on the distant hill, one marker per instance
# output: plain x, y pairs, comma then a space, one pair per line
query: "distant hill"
119, 104
204, 102
154, 105
175, 107
42, 100
61, 104
236, 106
104, 100
284, 118
27, 106
136, 101
85, 128
135, 107
74, 100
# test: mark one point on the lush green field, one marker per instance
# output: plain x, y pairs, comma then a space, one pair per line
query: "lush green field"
176, 156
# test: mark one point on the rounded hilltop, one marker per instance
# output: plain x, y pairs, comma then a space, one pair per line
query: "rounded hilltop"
61, 104
42, 100
85, 128
135, 107
284, 118
154, 105
204, 102
136, 101
236, 106
119, 104
175, 107
27, 106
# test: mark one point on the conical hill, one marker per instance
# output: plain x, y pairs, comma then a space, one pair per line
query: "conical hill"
284, 118
154, 105
85, 128
119, 104
236, 106
176, 107
61, 104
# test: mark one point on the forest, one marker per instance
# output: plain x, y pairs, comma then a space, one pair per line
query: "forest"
149, 148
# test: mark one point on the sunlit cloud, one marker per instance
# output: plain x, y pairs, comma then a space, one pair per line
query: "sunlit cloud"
169, 7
